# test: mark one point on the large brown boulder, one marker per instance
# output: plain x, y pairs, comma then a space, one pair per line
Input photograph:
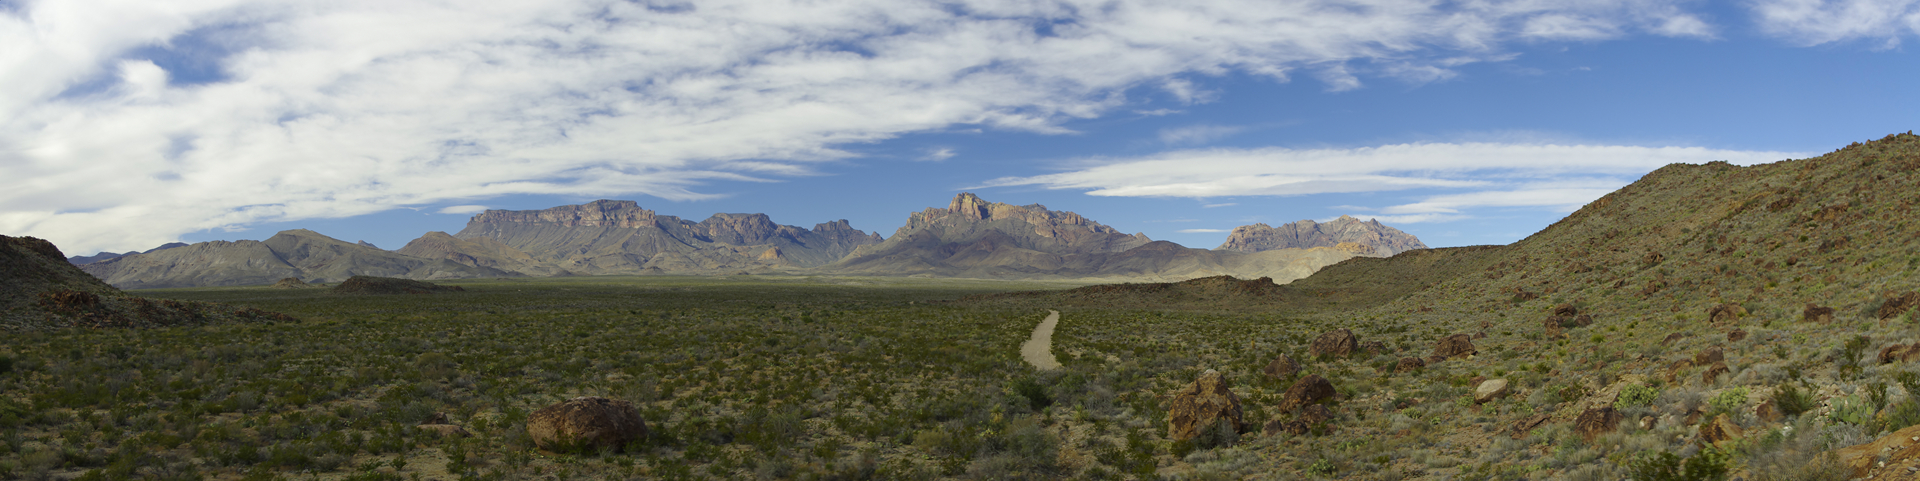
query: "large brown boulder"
1721, 429
1814, 313
1409, 364
1457, 345
1597, 421
1900, 352
1713, 373
1725, 313
1899, 304
1565, 310
586, 424
1709, 356
1308, 390
1282, 367
1337, 342
1205, 402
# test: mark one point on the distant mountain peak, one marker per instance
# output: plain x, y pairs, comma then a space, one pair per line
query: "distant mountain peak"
1308, 233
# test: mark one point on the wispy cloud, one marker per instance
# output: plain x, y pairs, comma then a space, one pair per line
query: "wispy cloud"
1229, 204
1203, 231
463, 209
1814, 22
334, 109
1198, 134
1556, 177
936, 155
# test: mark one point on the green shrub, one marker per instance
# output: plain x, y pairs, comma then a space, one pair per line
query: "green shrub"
1852, 410
1636, 395
1792, 401
1708, 465
1035, 393
1728, 401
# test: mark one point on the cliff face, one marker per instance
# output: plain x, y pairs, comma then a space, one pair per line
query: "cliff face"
295, 253
975, 238
1385, 240
619, 237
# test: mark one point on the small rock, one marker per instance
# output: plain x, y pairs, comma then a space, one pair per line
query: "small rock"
1713, 372
1409, 364
1207, 401
1524, 426
1489, 390
1766, 412
445, 430
1709, 356
1374, 347
1814, 313
1672, 337
1721, 429
1900, 353
1896, 305
1566, 310
1725, 313
1736, 335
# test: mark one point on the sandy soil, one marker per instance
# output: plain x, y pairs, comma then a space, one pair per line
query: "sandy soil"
1038, 350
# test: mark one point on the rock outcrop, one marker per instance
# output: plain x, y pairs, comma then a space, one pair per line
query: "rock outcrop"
1597, 421
1898, 304
1817, 313
84, 260
1382, 240
586, 425
1490, 390
1457, 345
1308, 390
1282, 367
1209, 401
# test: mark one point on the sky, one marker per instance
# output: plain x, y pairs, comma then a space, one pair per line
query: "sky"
125, 124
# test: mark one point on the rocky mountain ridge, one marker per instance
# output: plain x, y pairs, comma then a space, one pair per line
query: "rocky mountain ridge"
619, 237
84, 260
1387, 241
297, 253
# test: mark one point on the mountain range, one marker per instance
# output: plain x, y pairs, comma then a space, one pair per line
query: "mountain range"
971, 237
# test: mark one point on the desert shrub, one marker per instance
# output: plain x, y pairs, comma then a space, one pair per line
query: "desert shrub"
1035, 394
1851, 410
1728, 401
1791, 400
1635, 396
1707, 465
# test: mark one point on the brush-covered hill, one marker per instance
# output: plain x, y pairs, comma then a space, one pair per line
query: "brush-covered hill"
39, 289
619, 237
298, 253
1385, 240
975, 238
479, 252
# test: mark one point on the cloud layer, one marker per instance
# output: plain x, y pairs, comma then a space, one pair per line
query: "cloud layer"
1558, 177
124, 124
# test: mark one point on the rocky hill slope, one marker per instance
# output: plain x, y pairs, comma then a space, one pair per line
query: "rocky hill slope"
479, 252
84, 260
619, 237
295, 253
1385, 240
39, 289
975, 238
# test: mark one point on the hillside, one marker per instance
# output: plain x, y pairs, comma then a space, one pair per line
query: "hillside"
295, 253
975, 238
84, 260
1306, 234
39, 289
619, 237
479, 252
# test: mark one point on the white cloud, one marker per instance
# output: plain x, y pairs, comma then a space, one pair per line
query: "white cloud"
1202, 231
1198, 134
463, 209
1556, 177
1229, 204
938, 154
1814, 22
342, 108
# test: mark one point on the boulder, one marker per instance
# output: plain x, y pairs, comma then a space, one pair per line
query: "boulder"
1522, 427
1308, 390
1457, 345
1672, 337
586, 424
1814, 313
1719, 430
1489, 390
1310, 417
1597, 421
1565, 310
1374, 347
1709, 356
1900, 352
1736, 335
1894, 449
1713, 373
1409, 364
1673, 372
1282, 367
1766, 412
1725, 313
1899, 304
1583, 320
1337, 342
1207, 401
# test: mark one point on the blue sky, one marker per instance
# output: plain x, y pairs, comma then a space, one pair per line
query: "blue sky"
124, 125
